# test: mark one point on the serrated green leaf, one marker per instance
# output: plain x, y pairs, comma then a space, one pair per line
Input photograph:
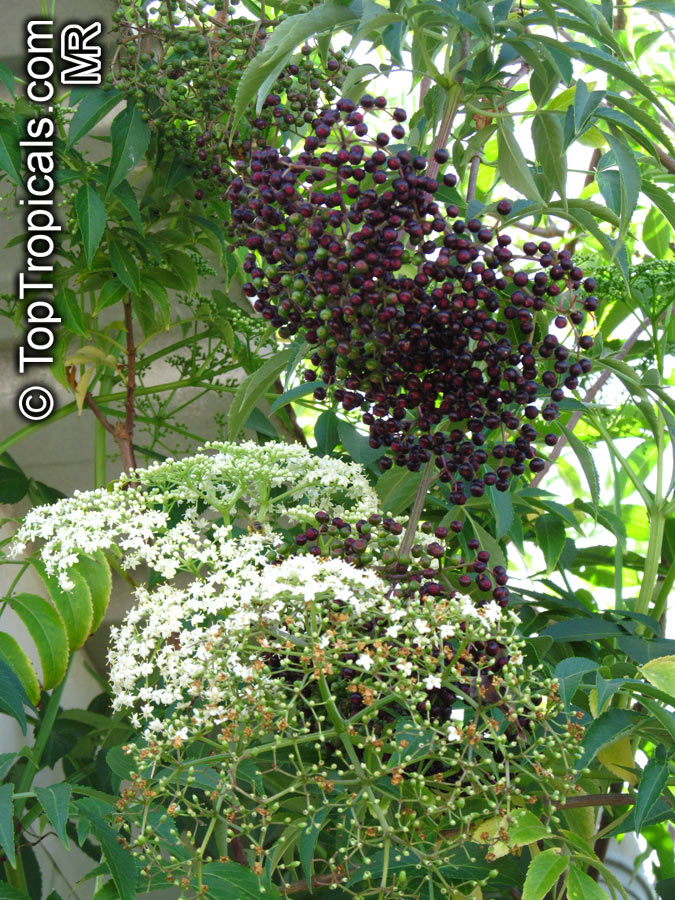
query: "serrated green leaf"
308, 839
550, 533
95, 570
585, 458
96, 104
251, 389
225, 881
661, 673
125, 266
185, 269
13, 697
7, 892
487, 542
54, 800
652, 785
607, 729
10, 152
543, 873
13, 485
601, 59
157, 294
502, 504
7, 760
585, 104
301, 390
569, 674
581, 886
130, 137
656, 233
74, 605
111, 293
125, 194
326, 432
547, 136
661, 199
48, 632
630, 178
357, 444
122, 865
396, 489
609, 182
7, 822
91, 217
513, 166
68, 307
178, 172
580, 628
7, 78
12, 653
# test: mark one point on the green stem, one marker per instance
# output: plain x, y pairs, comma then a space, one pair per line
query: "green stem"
618, 550
657, 525
385, 867
341, 729
16, 876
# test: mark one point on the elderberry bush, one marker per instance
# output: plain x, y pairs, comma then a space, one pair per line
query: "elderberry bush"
181, 63
437, 329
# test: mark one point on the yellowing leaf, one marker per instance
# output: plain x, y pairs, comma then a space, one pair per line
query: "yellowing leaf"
661, 673
522, 827
83, 387
618, 758
91, 354
593, 138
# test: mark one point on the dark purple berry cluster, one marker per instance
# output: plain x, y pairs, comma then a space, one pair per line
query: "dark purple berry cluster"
436, 328
436, 568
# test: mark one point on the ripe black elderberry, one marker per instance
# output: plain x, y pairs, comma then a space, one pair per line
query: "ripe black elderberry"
433, 327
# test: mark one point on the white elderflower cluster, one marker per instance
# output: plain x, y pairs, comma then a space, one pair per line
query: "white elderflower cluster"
198, 650
171, 515
202, 651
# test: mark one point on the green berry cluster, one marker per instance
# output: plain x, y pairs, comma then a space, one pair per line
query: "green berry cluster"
181, 62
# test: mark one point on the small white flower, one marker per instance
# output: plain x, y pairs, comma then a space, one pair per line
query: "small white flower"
420, 626
491, 611
452, 734
432, 682
365, 662
467, 606
405, 667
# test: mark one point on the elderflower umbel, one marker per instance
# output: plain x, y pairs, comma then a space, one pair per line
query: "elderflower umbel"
167, 516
